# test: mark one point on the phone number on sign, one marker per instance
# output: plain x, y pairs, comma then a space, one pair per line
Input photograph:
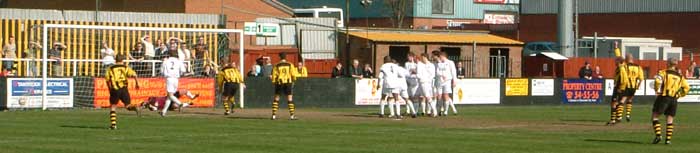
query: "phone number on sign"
582, 96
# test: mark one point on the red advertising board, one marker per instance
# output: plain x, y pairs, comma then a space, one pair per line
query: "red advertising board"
156, 87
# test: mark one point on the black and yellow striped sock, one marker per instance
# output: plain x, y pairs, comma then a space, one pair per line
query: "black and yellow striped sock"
291, 107
613, 113
657, 128
275, 107
620, 109
113, 119
669, 131
629, 108
226, 107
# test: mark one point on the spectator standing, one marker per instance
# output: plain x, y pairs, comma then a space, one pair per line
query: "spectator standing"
690, 72
199, 58
149, 49
367, 72
9, 51
184, 55
598, 74
461, 73
338, 71
30, 53
267, 68
138, 54
107, 56
301, 70
55, 54
253, 72
355, 71
585, 72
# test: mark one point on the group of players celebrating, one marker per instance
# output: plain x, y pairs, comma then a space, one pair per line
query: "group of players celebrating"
426, 79
669, 85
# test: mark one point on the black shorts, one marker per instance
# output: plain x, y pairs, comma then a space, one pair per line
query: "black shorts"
666, 105
283, 89
230, 89
616, 96
120, 94
629, 92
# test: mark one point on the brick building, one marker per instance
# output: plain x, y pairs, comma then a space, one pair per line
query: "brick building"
424, 14
482, 54
676, 20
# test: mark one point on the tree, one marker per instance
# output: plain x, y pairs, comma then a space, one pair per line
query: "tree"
397, 10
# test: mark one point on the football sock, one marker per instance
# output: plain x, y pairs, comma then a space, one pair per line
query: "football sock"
391, 107
275, 106
291, 108
113, 119
657, 128
669, 131
452, 104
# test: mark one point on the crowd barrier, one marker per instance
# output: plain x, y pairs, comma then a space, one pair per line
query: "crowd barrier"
91, 92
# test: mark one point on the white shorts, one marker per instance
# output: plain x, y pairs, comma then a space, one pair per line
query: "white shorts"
402, 92
171, 85
426, 89
413, 90
386, 91
445, 89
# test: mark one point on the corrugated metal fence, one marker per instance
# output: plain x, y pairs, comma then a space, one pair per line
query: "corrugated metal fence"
25, 25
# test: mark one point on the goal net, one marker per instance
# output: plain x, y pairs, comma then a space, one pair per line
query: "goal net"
74, 58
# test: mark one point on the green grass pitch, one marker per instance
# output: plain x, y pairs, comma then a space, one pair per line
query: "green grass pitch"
536, 129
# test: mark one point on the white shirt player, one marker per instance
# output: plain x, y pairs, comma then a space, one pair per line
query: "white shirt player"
425, 72
172, 68
388, 75
446, 71
412, 78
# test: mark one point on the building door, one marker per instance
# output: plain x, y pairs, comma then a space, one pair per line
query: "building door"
498, 62
453, 53
399, 53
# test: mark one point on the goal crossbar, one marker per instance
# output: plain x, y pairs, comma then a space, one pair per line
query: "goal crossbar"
44, 53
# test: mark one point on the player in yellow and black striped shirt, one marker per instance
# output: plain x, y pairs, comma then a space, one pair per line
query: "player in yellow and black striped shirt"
631, 78
116, 77
283, 76
230, 79
616, 107
669, 86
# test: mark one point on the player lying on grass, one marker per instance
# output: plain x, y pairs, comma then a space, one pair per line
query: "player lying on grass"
158, 103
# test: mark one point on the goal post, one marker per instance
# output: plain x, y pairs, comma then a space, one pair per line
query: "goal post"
46, 40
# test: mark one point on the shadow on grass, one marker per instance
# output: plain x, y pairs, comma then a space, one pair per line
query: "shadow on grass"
203, 113
367, 115
247, 118
84, 127
583, 120
614, 141
580, 124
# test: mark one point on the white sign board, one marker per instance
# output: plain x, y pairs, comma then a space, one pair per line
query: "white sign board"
650, 87
261, 29
610, 85
26, 93
542, 87
499, 18
250, 28
477, 91
366, 92
694, 94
